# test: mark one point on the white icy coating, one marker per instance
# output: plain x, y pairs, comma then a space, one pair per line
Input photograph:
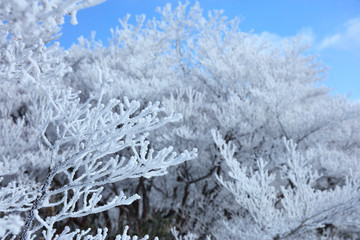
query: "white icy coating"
72, 144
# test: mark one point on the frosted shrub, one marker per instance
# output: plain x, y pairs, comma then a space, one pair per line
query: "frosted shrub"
285, 203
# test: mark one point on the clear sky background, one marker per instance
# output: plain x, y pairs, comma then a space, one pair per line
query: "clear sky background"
330, 27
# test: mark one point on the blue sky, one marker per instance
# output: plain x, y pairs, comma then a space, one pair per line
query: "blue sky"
330, 27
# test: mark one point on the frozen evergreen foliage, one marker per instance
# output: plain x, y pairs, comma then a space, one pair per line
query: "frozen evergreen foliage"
277, 155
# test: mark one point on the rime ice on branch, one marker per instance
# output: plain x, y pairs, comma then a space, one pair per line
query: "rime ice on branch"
86, 147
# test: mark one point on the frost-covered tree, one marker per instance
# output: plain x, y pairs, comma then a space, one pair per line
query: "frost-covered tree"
293, 174
254, 93
58, 153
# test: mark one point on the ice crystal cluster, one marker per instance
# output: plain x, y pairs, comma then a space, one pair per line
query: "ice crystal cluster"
89, 135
